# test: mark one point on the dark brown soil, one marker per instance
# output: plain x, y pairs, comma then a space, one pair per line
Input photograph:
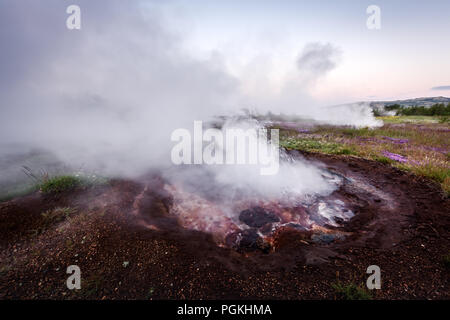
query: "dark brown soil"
121, 257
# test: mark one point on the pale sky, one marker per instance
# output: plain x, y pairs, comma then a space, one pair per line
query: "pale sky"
405, 58
259, 42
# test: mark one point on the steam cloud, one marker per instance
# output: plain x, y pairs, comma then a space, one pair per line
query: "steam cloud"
110, 95
317, 59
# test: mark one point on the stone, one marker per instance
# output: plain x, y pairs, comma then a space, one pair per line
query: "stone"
257, 217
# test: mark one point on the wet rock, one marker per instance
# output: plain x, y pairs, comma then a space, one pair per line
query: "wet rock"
257, 217
295, 226
338, 220
266, 229
247, 240
326, 238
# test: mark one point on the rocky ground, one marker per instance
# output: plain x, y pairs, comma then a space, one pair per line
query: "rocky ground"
105, 231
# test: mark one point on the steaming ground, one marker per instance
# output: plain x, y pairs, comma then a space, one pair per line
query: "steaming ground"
106, 231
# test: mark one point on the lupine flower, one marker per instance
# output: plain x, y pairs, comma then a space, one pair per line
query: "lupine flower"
395, 156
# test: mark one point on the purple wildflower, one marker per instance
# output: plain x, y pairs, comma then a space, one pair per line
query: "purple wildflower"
435, 149
396, 140
395, 157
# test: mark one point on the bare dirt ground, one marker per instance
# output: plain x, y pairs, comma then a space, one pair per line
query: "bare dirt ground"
402, 225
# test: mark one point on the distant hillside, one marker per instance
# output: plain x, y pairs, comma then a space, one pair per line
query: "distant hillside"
426, 102
417, 106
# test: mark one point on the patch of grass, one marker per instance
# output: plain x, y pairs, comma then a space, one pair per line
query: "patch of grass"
382, 159
347, 151
438, 174
65, 183
312, 145
410, 119
350, 292
60, 184
57, 215
51, 185
50, 218
354, 132
444, 119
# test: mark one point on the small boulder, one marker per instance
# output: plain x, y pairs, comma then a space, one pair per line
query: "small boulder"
247, 240
257, 217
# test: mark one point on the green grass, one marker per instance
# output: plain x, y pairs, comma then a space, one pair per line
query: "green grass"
65, 183
60, 184
444, 119
382, 159
312, 145
411, 119
52, 185
437, 174
350, 292
355, 132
